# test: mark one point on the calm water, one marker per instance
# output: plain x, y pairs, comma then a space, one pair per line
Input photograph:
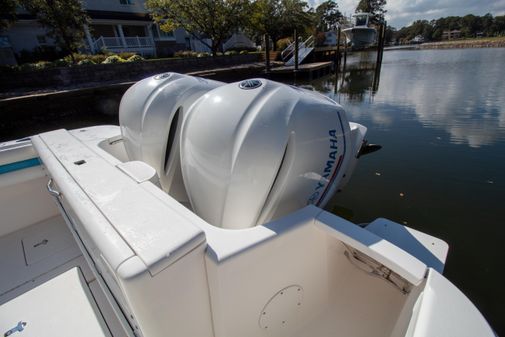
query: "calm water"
440, 116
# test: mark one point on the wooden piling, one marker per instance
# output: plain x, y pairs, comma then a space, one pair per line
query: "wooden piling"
267, 53
380, 52
337, 63
296, 50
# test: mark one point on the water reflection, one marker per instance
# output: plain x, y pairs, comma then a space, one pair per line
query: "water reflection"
458, 91
465, 97
357, 84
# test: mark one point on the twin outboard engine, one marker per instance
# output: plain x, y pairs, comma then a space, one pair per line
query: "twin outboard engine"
250, 152
150, 115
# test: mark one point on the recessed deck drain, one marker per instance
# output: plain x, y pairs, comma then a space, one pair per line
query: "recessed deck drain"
282, 309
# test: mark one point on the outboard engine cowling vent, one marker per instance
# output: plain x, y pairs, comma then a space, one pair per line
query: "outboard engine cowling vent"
256, 150
151, 114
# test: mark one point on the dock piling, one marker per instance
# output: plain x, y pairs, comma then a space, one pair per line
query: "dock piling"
380, 52
337, 62
267, 53
296, 50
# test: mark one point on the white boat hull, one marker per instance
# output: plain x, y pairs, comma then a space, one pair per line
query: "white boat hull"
360, 37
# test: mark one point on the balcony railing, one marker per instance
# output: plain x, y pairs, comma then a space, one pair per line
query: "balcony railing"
130, 42
137, 41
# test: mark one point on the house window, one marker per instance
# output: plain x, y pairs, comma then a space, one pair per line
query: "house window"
126, 2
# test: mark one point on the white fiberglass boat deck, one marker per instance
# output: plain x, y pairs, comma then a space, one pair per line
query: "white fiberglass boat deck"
91, 245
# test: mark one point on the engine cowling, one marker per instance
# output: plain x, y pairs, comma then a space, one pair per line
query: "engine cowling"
256, 150
151, 114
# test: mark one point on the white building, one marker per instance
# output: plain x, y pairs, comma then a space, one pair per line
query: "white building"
116, 25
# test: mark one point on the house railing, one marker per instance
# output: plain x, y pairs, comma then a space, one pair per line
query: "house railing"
138, 41
130, 42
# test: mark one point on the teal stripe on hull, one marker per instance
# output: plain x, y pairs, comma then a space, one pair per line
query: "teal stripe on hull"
19, 165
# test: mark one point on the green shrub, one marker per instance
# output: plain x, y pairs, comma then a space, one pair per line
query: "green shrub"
231, 52
42, 65
26, 67
203, 55
98, 58
85, 62
135, 58
77, 58
126, 55
283, 43
61, 63
113, 59
243, 52
186, 53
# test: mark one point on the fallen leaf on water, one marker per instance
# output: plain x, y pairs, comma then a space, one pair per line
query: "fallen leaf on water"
377, 173
401, 194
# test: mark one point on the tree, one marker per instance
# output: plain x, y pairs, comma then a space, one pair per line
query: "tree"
63, 19
374, 7
212, 19
470, 25
500, 25
266, 18
327, 15
487, 24
8, 13
278, 18
296, 15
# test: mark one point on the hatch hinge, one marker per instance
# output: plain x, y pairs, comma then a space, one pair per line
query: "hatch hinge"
377, 269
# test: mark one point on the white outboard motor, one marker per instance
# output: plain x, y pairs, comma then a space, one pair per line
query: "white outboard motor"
256, 150
150, 114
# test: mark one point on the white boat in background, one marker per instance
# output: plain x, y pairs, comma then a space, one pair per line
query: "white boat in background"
361, 34
200, 216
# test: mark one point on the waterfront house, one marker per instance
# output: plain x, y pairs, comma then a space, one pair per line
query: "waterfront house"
417, 39
451, 34
116, 25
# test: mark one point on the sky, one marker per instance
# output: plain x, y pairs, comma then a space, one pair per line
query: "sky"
403, 12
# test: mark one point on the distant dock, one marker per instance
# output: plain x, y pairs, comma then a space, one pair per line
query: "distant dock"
307, 70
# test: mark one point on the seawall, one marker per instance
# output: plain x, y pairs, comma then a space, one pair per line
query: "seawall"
98, 74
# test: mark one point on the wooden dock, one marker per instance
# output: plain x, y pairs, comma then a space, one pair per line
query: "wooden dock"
308, 70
